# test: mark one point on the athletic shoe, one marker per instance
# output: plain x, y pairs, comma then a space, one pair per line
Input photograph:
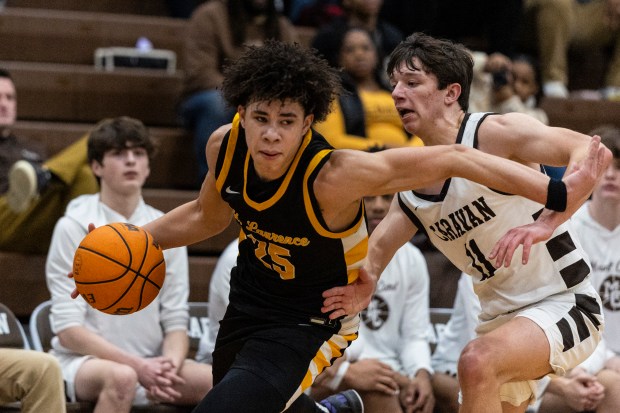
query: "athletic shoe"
26, 180
348, 401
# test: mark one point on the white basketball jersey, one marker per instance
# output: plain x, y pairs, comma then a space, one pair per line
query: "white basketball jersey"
465, 220
603, 248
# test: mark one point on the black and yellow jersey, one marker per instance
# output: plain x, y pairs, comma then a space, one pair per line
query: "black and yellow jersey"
287, 255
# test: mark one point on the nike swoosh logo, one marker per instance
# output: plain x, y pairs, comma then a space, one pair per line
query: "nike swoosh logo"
230, 191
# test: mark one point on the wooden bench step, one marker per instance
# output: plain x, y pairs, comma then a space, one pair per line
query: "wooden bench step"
580, 114
174, 165
71, 37
150, 7
80, 93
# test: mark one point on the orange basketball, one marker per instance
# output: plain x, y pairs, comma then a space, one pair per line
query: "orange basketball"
118, 268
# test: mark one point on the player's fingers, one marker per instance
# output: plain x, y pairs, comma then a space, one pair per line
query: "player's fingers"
511, 245
91, 227
336, 291
337, 314
331, 307
74, 294
499, 251
527, 247
510, 250
330, 301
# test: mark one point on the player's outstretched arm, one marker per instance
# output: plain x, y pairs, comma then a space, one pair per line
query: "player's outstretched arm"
392, 232
401, 169
202, 218
580, 182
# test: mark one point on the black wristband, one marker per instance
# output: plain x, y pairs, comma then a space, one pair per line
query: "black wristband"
556, 195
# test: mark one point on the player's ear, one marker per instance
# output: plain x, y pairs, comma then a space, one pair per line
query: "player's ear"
453, 92
308, 122
241, 112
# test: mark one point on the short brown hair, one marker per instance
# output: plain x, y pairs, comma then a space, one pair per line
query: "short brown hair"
450, 62
118, 133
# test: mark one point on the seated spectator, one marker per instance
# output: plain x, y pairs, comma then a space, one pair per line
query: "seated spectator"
32, 378
34, 191
504, 85
365, 117
586, 24
140, 358
217, 33
389, 365
358, 13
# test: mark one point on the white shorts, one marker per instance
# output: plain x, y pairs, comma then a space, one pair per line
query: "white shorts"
573, 324
71, 363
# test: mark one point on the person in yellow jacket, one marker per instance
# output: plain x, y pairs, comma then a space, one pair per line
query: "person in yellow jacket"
365, 117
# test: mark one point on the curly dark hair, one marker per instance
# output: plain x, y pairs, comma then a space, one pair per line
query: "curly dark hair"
281, 71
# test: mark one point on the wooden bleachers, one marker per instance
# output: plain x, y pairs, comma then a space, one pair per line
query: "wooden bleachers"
174, 166
148, 7
71, 37
581, 115
81, 93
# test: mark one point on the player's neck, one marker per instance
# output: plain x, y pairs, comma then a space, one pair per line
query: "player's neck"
445, 130
606, 213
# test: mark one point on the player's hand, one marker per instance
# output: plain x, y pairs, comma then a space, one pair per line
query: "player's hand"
581, 178
350, 299
526, 235
371, 375
75, 294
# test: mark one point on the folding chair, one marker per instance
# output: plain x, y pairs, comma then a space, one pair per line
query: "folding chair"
198, 325
41, 327
12, 333
439, 318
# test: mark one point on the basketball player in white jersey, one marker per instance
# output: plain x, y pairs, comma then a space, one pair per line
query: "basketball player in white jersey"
538, 318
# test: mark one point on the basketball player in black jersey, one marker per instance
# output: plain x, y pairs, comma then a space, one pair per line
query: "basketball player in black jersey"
299, 206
